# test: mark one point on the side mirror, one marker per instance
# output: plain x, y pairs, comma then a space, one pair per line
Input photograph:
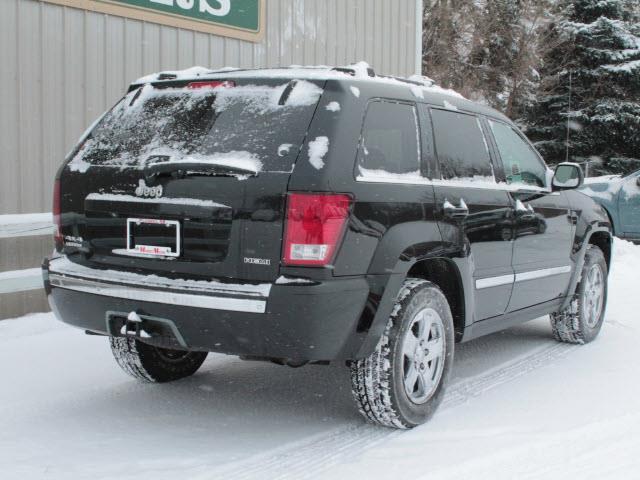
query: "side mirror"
567, 177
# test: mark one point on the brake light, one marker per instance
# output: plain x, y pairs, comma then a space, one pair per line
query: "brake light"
315, 224
57, 233
212, 84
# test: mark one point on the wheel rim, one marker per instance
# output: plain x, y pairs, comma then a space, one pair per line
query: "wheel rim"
593, 295
423, 353
170, 355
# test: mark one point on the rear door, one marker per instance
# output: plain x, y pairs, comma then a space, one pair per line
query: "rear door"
543, 221
215, 157
474, 212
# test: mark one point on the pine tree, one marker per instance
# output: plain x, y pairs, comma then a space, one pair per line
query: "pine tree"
590, 88
448, 26
485, 49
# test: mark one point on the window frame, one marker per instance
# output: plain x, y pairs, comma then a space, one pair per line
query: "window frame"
518, 132
420, 124
494, 159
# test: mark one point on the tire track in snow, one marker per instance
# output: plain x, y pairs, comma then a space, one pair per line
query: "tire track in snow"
310, 457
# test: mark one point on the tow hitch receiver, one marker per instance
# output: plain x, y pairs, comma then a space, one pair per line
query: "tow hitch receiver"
133, 327
149, 329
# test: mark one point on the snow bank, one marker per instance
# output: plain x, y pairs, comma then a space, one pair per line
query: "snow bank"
26, 219
27, 224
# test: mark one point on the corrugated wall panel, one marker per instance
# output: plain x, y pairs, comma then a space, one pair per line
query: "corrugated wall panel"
62, 67
10, 112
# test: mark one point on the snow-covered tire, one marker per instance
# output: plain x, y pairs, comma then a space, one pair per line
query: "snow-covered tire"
378, 381
582, 320
152, 364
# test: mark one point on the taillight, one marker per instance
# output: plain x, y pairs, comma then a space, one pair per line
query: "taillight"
315, 224
212, 84
57, 233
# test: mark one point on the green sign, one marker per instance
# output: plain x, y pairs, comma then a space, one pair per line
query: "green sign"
240, 14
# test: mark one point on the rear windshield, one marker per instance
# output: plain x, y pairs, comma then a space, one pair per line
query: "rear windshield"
253, 127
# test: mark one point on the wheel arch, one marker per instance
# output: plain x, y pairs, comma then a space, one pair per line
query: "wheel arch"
443, 272
603, 240
610, 217
598, 236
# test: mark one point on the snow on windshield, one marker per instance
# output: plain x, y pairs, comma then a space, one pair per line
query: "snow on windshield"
238, 127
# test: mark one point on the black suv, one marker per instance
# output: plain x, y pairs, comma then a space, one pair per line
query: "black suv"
313, 216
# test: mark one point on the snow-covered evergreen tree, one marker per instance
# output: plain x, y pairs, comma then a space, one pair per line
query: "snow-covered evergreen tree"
485, 49
590, 86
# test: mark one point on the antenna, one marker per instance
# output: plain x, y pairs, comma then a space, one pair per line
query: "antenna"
569, 117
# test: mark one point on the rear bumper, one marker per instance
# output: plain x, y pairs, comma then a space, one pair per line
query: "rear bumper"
296, 322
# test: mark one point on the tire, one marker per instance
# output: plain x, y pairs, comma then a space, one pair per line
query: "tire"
378, 381
152, 364
582, 320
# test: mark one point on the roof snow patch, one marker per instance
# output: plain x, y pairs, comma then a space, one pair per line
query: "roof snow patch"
333, 107
318, 148
449, 106
179, 74
355, 91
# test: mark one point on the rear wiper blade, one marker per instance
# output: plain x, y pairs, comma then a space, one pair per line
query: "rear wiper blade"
185, 169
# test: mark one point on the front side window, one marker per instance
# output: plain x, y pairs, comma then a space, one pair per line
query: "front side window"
521, 164
461, 147
390, 141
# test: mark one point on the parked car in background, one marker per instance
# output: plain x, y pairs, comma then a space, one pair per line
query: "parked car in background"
620, 196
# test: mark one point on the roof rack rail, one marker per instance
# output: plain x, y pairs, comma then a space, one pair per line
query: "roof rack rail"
403, 80
352, 71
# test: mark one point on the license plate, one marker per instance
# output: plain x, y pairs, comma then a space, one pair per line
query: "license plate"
156, 237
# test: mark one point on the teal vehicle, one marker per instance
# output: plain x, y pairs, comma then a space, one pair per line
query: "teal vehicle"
620, 196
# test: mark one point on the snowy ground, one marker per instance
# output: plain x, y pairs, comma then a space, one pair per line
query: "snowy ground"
520, 406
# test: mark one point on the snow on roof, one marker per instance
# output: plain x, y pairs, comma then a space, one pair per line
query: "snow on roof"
360, 71
601, 179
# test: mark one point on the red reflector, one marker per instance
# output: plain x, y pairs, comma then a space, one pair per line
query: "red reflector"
314, 227
212, 84
57, 234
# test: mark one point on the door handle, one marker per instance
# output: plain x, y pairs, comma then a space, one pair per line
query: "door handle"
451, 211
524, 212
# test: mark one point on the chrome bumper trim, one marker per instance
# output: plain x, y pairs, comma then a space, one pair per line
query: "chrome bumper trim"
169, 297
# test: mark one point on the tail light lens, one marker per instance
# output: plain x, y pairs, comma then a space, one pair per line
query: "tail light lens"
315, 224
57, 233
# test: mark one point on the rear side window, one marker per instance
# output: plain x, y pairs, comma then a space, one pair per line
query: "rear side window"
259, 126
390, 140
461, 147
521, 164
